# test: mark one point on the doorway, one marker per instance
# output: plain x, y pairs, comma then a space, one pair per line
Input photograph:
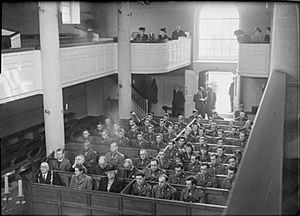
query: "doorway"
220, 82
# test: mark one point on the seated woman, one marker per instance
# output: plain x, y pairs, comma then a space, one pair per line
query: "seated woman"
111, 183
80, 180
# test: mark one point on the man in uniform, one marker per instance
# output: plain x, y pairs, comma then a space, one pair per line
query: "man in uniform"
132, 134
228, 182
161, 128
104, 139
191, 193
140, 142
154, 171
213, 130
79, 159
166, 119
182, 124
242, 140
204, 155
169, 135
163, 162
194, 165
216, 168
204, 179
159, 143
90, 157
114, 157
98, 130
242, 117
140, 187
143, 161
121, 140
163, 190
150, 136
85, 137
171, 151
177, 177
222, 158
129, 170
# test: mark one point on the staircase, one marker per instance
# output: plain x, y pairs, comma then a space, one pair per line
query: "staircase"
140, 104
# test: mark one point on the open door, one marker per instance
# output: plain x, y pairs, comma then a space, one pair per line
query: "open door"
190, 86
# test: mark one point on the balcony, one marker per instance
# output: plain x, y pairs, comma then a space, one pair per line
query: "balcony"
21, 74
160, 57
254, 60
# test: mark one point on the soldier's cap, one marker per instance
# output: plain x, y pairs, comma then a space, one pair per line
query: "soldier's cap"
195, 111
164, 30
111, 168
142, 28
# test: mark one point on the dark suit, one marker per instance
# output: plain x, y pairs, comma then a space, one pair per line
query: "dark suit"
64, 165
52, 178
100, 171
168, 136
116, 187
129, 173
161, 130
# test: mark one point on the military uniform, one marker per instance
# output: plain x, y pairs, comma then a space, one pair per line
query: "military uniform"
159, 145
124, 141
150, 137
206, 181
153, 176
213, 133
141, 163
132, 135
204, 158
140, 144
161, 130
170, 154
115, 159
195, 167
195, 195
182, 125
222, 159
217, 169
177, 179
130, 173
168, 136
164, 164
227, 183
143, 190
166, 192
83, 139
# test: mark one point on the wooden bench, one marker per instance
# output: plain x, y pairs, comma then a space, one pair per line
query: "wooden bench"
223, 122
60, 200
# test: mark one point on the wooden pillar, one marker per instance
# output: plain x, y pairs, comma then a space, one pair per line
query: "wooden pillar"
124, 60
51, 79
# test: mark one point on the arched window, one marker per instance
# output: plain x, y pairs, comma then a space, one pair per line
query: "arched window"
217, 22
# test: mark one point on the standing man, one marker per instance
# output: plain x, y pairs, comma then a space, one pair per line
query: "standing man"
199, 99
177, 102
231, 94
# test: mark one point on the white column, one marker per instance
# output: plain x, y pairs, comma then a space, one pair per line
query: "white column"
52, 89
124, 59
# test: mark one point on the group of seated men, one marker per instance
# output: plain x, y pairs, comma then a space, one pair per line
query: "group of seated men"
177, 161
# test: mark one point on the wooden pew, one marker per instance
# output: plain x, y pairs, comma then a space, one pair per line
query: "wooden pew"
130, 152
223, 122
60, 200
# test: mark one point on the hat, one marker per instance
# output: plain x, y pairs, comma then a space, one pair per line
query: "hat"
195, 110
164, 30
142, 28
111, 168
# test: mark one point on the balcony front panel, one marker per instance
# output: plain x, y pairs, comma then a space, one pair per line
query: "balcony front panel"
254, 60
20, 75
83, 63
160, 57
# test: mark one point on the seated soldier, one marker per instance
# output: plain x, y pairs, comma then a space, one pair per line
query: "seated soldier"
80, 180
152, 173
176, 128
90, 157
121, 140
159, 143
228, 182
85, 136
151, 120
163, 190
130, 123
102, 166
222, 158
215, 167
143, 160
233, 133
134, 117
204, 179
114, 157
177, 177
129, 170
186, 155
232, 162
166, 119
181, 122
161, 128
171, 151
194, 166
246, 128
98, 130
150, 136
140, 142
108, 126
79, 159
104, 139
60, 162
215, 116
163, 162
242, 140
45, 176
199, 121
140, 187
111, 183
115, 131
187, 135
132, 134
195, 132
180, 145
242, 117
169, 135
144, 128
204, 155
194, 115
213, 130
191, 193
201, 132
